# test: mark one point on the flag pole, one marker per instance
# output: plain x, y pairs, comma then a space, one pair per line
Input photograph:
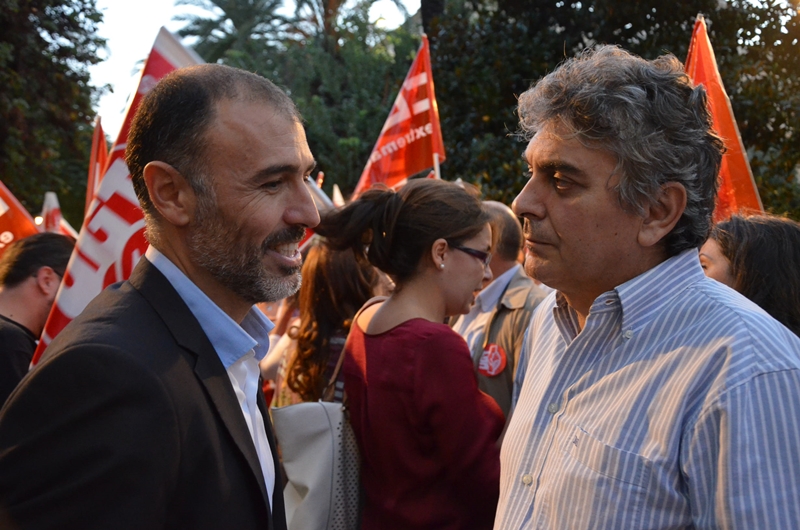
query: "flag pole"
436, 166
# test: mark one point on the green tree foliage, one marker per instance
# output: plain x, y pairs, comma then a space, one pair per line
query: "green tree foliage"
233, 28
46, 100
345, 94
512, 43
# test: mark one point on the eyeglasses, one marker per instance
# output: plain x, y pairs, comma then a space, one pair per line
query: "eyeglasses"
483, 257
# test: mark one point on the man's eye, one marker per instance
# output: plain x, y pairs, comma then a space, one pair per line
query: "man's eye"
272, 185
559, 183
307, 179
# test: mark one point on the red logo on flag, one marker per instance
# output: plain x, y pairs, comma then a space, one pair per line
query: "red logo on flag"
15, 221
493, 360
411, 134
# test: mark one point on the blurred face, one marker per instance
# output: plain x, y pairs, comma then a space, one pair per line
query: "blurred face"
246, 235
465, 275
715, 264
579, 239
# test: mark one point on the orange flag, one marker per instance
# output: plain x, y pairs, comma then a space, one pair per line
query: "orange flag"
111, 240
737, 189
97, 163
15, 221
411, 139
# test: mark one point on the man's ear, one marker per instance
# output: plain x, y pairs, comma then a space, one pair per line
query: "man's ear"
170, 193
663, 214
439, 253
47, 281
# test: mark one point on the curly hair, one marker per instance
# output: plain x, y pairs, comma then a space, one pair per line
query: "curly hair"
394, 230
646, 113
335, 285
763, 251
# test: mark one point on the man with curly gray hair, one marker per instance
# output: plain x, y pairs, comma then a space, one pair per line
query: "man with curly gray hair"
649, 396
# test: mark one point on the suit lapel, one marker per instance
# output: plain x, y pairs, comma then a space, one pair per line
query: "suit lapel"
188, 333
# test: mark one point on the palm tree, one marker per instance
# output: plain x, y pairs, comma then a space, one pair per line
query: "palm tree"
234, 27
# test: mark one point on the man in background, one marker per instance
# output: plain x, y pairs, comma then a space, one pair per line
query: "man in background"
146, 410
654, 397
30, 274
495, 326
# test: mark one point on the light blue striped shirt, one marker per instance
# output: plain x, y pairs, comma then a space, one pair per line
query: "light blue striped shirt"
677, 406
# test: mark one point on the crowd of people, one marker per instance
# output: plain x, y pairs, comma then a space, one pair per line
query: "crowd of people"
601, 356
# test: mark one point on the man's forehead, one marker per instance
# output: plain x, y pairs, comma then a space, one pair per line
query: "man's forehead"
558, 140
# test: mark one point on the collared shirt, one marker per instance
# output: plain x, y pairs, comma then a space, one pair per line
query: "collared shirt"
472, 326
238, 347
676, 406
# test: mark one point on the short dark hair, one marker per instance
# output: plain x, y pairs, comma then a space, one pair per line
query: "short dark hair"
24, 257
396, 229
171, 122
506, 230
764, 253
646, 113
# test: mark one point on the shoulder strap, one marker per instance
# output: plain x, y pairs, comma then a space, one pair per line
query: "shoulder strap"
327, 394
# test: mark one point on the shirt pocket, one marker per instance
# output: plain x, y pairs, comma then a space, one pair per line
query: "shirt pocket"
600, 486
615, 464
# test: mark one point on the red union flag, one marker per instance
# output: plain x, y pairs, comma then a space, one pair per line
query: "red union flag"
111, 240
411, 135
97, 163
52, 220
15, 221
737, 189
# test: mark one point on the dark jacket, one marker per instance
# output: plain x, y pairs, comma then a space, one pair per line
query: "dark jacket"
130, 421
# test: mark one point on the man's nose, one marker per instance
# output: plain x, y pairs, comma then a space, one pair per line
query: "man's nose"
529, 201
302, 210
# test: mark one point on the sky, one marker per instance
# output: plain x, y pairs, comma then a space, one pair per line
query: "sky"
131, 28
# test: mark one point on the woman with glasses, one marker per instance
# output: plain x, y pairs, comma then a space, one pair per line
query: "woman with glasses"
427, 435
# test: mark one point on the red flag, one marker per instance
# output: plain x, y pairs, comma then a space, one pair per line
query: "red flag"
737, 189
411, 135
52, 220
111, 240
97, 163
15, 221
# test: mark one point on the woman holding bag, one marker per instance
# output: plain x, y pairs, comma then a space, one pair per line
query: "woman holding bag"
426, 434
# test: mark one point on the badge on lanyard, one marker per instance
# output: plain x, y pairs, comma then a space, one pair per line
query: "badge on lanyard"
493, 360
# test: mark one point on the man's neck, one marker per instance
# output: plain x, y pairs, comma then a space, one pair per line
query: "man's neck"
501, 266
20, 305
229, 303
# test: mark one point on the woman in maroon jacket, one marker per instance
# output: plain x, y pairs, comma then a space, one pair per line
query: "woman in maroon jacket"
427, 435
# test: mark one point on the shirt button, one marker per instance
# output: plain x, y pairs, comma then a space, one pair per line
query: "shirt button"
552, 408
527, 480
628, 334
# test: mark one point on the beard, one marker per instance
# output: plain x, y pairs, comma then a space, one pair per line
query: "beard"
218, 246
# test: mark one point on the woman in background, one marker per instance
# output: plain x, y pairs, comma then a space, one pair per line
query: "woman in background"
426, 434
759, 256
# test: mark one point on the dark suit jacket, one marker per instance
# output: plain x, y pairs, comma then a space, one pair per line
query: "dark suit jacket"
131, 422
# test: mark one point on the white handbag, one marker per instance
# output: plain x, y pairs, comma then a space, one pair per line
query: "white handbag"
322, 463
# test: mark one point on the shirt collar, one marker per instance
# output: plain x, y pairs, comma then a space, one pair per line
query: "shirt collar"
643, 296
640, 298
490, 295
230, 340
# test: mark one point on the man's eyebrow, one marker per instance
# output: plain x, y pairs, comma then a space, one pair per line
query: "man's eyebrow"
561, 167
280, 169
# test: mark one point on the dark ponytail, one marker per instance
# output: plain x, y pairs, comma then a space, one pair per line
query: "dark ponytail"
394, 230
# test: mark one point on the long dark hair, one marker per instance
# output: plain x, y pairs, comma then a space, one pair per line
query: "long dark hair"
334, 287
394, 230
764, 252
